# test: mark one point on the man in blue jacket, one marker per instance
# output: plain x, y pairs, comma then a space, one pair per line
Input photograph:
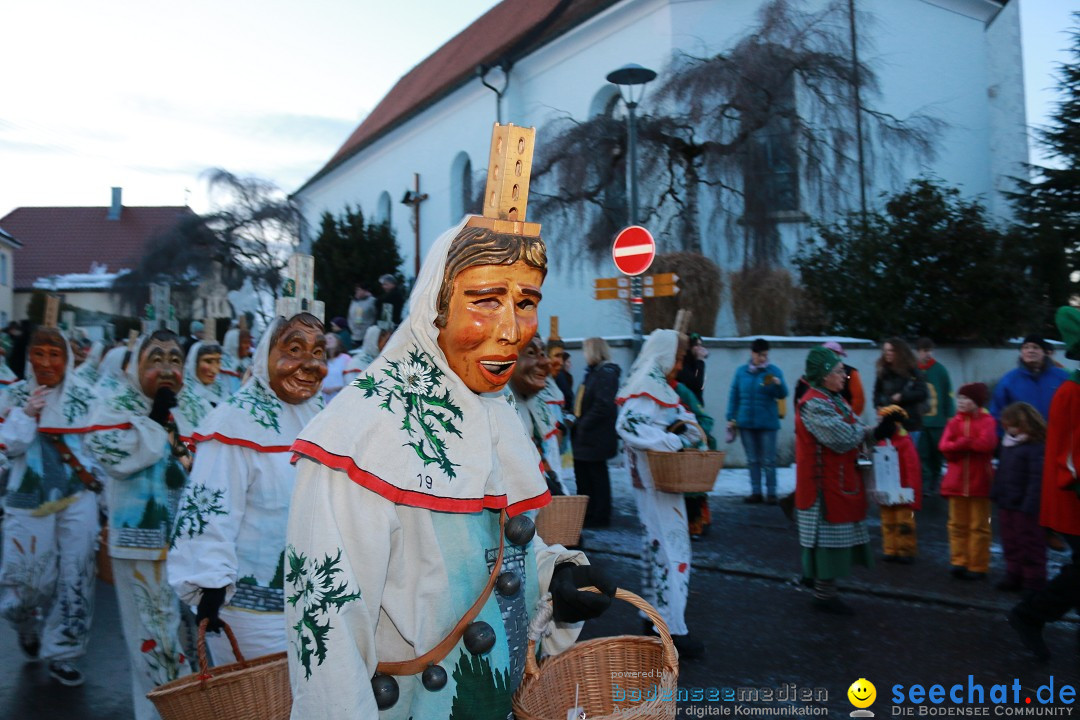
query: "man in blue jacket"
753, 402
1034, 380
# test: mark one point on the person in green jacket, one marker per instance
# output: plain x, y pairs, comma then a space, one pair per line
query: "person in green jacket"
941, 407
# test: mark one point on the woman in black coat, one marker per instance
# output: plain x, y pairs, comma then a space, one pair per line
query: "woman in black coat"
594, 437
899, 382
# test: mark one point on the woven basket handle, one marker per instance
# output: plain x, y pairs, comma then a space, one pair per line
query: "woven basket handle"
204, 664
532, 669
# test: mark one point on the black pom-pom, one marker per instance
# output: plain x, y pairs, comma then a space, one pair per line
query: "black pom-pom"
434, 678
479, 638
508, 583
386, 691
520, 530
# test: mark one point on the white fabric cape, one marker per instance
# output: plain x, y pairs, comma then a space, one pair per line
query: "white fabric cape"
410, 430
648, 374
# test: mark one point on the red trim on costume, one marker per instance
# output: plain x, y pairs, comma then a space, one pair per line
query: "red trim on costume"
226, 440
8, 382
661, 403
411, 498
533, 503
231, 373
554, 402
77, 431
353, 370
555, 431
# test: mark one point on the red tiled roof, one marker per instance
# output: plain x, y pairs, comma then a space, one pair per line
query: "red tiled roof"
517, 25
63, 240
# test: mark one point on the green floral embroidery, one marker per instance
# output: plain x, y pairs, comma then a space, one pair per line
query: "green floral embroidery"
657, 374
129, 400
76, 401
314, 593
106, 447
261, 405
191, 407
630, 422
200, 502
416, 383
18, 395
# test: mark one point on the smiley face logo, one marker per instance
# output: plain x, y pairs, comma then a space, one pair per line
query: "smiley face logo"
862, 693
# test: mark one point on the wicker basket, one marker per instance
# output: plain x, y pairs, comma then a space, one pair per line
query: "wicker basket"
255, 689
559, 522
104, 562
641, 666
685, 471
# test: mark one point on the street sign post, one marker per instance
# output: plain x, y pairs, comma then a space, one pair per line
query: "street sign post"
633, 252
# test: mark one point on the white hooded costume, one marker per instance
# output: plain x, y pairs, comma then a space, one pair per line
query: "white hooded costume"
230, 530
648, 405
394, 531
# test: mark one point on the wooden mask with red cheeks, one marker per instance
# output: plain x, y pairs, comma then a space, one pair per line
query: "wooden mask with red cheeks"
48, 356
487, 304
161, 364
297, 362
208, 364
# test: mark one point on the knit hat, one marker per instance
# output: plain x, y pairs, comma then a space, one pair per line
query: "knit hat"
978, 393
197, 327
1038, 340
835, 347
1067, 320
760, 345
819, 362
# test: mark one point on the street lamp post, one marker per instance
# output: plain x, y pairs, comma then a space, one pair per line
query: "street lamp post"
631, 80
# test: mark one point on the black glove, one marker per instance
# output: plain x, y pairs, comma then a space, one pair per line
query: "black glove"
164, 401
573, 605
677, 428
885, 429
212, 600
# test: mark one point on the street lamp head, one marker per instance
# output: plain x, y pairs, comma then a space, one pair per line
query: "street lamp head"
632, 74
629, 77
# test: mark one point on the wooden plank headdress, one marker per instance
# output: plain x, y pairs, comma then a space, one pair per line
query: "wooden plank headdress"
506, 196
298, 291
51, 318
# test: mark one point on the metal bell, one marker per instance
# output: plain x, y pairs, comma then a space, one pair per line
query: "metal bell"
479, 638
434, 678
520, 530
508, 583
386, 691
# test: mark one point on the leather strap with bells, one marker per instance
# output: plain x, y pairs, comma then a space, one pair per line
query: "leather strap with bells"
436, 654
68, 458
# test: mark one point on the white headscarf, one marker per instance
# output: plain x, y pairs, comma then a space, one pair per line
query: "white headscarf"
254, 417
67, 406
410, 430
129, 400
215, 392
648, 374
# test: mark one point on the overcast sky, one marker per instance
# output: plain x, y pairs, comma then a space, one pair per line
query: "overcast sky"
147, 95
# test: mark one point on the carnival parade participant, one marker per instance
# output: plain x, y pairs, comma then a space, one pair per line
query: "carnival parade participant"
7, 375
830, 496
235, 357
51, 509
651, 418
228, 551
92, 352
111, 372
204, 387
403, 484
141, 445
531, 377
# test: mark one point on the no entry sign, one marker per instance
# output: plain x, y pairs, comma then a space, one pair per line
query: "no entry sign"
633, 250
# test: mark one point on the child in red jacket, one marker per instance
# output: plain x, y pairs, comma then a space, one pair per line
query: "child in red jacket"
898, 521
968, 445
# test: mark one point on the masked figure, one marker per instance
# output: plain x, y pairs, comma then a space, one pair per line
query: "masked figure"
143, 445
236, 358
204, 387
394, 531
531, 387
50, 510
651, 418
229, 550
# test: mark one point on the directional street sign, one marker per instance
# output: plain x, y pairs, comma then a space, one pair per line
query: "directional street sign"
633, 250
661, 290
612, 293
660, 279
611, 282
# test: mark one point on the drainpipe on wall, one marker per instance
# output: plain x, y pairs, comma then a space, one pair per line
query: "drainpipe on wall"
116, 207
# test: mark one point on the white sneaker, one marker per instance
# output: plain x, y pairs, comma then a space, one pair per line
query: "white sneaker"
66, 673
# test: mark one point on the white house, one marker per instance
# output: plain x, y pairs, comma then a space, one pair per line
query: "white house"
958, 61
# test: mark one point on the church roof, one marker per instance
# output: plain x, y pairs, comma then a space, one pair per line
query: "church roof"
69, 240
512, 28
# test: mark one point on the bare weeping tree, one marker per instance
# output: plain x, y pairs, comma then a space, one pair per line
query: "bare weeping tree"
733, 144
250, 234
